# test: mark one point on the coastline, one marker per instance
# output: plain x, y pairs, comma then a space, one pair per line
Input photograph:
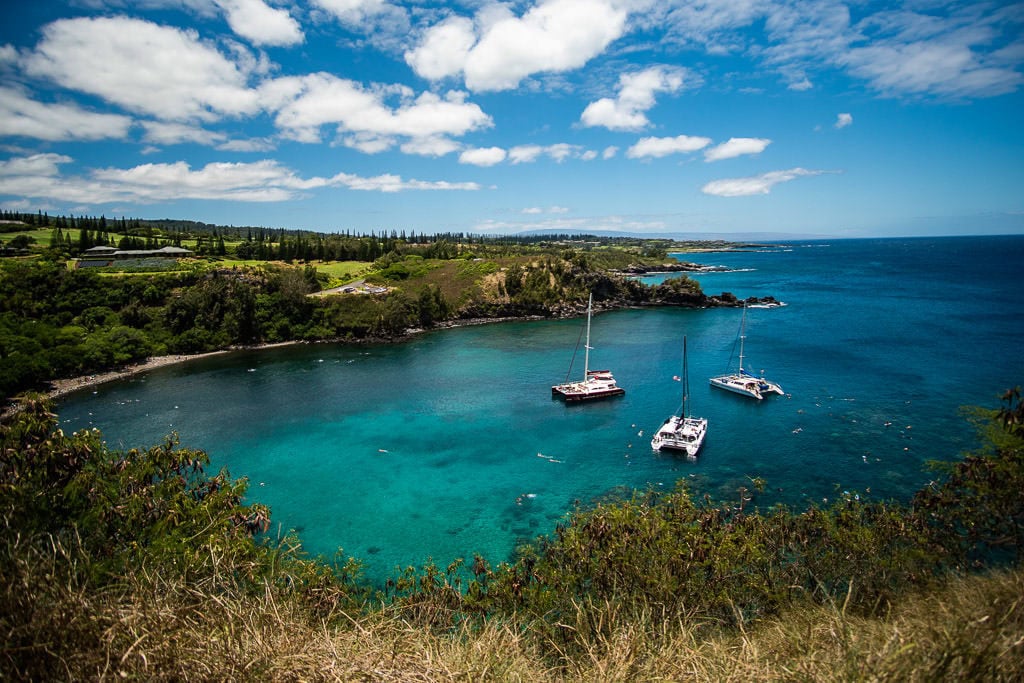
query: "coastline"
63, 387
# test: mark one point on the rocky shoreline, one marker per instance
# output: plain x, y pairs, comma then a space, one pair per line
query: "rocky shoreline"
676, 267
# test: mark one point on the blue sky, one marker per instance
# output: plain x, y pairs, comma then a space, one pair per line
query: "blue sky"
792, 117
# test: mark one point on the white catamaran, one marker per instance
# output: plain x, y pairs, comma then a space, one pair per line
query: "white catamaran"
595, 383
682, 432
742, 382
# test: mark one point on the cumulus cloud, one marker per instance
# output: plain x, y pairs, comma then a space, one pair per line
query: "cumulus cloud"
735, 147
255, 21
36, 165
483, 156
843, 120
322, 99
22, 116
646, 148
39, 177
761, 184
444, 50
166, 73
499, 49
636, 96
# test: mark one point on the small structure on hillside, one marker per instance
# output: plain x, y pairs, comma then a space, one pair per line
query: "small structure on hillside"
102, 256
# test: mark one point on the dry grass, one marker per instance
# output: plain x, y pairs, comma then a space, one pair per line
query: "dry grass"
971, 629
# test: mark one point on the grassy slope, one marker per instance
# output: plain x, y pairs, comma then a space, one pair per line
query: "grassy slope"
969, 629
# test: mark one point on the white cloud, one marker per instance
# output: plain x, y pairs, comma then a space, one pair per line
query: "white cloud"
483, 156
166, 73
946, 67
762, 184
503, 49
381, 24
170, 133
444, 50
708, 23
367, 143
22, 116
322, 99
735, 147
636, 96
843, 120
39, 177
430, 146
524, 154
660, 147
34, 165
247, 145
609, 152
946, 50
353, 12
536, 210
394, 183
255, 21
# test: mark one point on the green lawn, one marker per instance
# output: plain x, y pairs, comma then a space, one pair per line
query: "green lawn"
341, 272
41, 236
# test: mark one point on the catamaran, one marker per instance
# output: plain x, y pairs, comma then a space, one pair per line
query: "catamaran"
682, 432
595, 383
741, 381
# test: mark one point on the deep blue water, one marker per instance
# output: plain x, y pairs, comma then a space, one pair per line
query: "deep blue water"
451, 444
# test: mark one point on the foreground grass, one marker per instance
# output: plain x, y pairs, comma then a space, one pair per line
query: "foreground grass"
153, 629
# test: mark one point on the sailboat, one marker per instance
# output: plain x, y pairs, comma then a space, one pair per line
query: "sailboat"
742, 382
682, 432
595, 383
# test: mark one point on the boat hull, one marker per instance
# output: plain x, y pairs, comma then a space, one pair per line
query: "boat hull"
599, 384
683, 435
746, 385
571, 394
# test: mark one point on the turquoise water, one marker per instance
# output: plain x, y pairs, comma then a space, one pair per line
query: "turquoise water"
451, 444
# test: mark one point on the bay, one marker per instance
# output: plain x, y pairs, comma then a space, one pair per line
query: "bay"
450, 444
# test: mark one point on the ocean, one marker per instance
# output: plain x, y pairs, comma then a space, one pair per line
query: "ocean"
450, 444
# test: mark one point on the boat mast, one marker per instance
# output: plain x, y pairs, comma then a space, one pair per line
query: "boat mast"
686, 383
586, 347
743, 335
